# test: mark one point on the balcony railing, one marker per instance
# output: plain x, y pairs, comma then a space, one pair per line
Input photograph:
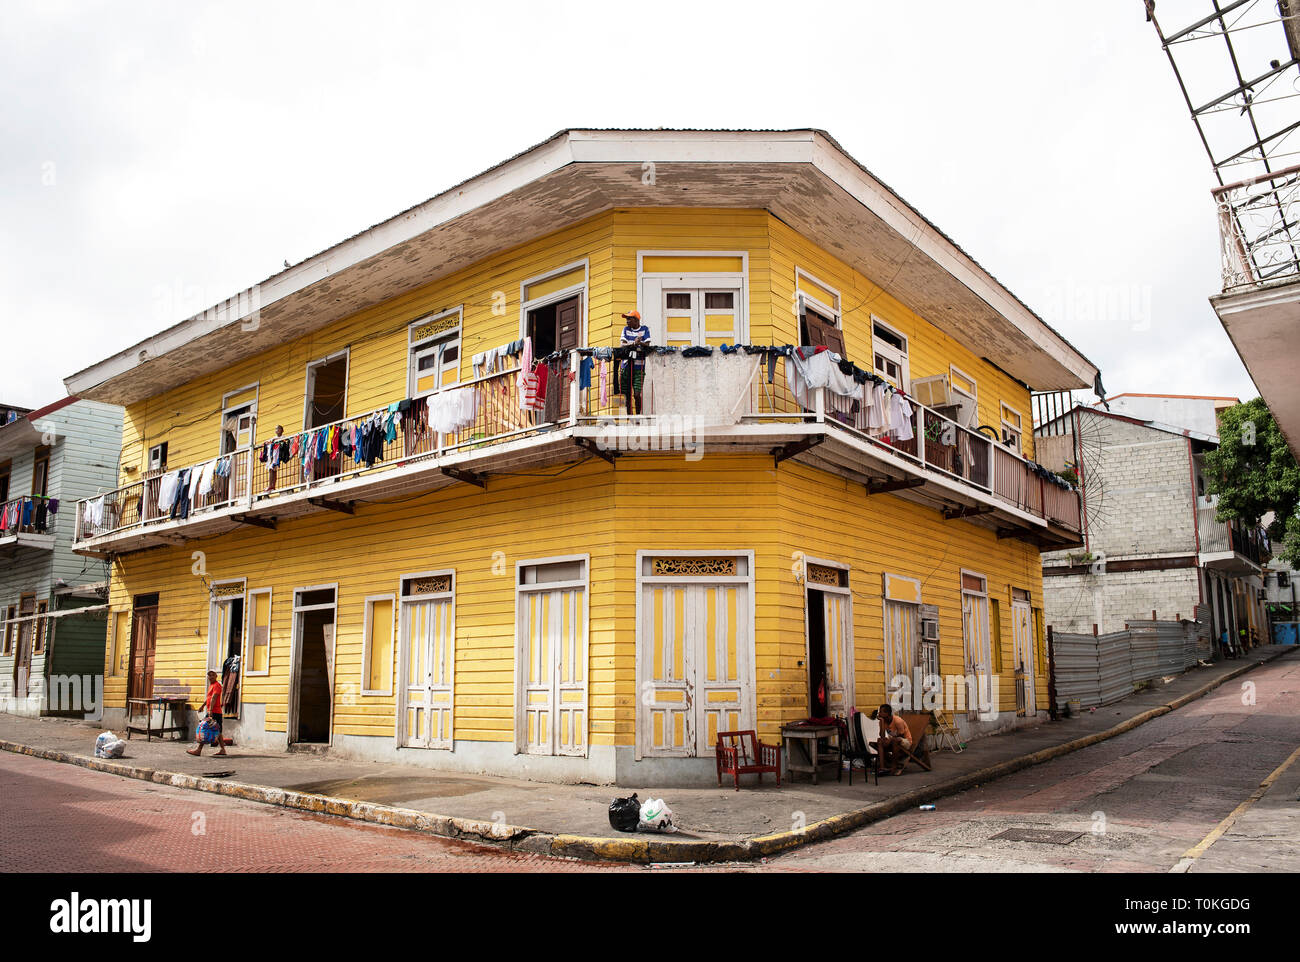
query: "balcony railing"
1258, 229
1220, 537
26, 515
487, 412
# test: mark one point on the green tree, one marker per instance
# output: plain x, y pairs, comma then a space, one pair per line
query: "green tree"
1254, 472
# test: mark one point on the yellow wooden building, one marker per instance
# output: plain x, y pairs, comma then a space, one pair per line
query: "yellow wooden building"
352, 477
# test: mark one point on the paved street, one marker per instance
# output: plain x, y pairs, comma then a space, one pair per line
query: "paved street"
1141, 801
61, 818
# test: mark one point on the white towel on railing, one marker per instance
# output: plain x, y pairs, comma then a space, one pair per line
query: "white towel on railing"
901, 416
449, 411
94, 515
167, 485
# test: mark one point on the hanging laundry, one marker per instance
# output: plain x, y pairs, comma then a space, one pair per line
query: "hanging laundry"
449, 411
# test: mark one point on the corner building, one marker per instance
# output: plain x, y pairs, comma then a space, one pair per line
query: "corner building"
556, 575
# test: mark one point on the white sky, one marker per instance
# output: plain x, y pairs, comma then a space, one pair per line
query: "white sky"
156, 158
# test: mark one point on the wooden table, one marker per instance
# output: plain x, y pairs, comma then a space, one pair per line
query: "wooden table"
168, 703
807, 740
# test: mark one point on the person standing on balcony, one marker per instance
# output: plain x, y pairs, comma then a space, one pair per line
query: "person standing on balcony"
633, 373
274, 457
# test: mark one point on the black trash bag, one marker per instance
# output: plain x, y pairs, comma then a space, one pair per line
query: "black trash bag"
625, 813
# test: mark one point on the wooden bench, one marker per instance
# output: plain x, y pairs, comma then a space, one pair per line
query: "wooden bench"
741, 753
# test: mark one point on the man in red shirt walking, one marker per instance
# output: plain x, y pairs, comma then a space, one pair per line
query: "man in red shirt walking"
213, 705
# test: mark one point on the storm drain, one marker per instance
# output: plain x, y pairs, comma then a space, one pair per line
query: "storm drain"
1042, 835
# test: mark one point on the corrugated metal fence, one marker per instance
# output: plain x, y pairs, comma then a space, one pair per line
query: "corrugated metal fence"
1100, 669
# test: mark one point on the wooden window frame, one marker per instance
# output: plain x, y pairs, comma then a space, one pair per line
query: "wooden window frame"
41, 457
651, 306
1016, 428
40, 627
227, 407
891, 353
250, 608
573, 290
11, 612
367, 607
309, 384
414, 348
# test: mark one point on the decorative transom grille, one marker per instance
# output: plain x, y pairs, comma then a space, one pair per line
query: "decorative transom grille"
227, 591
822, 575
695, 566
428, 586
435, 327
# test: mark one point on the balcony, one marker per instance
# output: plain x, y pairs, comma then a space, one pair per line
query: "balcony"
728, 404
1227, 545
27, 523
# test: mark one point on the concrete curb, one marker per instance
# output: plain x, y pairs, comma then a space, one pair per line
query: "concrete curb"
644, 849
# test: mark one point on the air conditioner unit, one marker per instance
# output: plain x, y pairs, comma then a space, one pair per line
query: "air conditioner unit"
929, 630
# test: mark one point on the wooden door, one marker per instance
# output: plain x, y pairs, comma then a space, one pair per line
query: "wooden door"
975, 634
1022, 634
696, 643
902, 623
144, 633
839, 652
23, 645
428, 663
554, 670
568, 330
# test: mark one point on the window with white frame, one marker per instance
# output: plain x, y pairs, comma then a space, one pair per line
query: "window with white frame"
1012, 431
434, 354
889, 350
377, 644
258, 644
965, 396
818, 305
693, 297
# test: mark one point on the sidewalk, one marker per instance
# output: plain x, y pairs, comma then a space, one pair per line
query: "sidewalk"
545, 818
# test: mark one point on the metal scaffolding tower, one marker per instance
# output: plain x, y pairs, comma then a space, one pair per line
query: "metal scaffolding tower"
1237, 63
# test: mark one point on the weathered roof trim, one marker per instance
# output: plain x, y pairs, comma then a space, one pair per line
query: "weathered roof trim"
577, 145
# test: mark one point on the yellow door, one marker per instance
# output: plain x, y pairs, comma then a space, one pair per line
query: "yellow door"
428, 665
839, 652
1022, 634
554, 670
694, 666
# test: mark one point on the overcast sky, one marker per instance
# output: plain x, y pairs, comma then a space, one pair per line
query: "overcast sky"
156, 158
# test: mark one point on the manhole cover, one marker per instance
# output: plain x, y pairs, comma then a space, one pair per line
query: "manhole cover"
1043, 835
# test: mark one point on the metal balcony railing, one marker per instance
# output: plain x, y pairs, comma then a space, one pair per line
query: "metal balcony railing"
26, 515
1259, 229
411, 431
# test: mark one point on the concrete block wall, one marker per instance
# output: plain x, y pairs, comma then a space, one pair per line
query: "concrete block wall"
1076, 602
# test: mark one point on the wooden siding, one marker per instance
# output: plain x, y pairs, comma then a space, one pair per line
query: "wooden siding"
648, 502
188, 418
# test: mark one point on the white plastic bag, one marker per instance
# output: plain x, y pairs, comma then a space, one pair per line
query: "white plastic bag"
108, 745
656, 816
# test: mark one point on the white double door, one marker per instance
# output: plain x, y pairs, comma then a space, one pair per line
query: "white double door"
428, 672
694, 666
552, 659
